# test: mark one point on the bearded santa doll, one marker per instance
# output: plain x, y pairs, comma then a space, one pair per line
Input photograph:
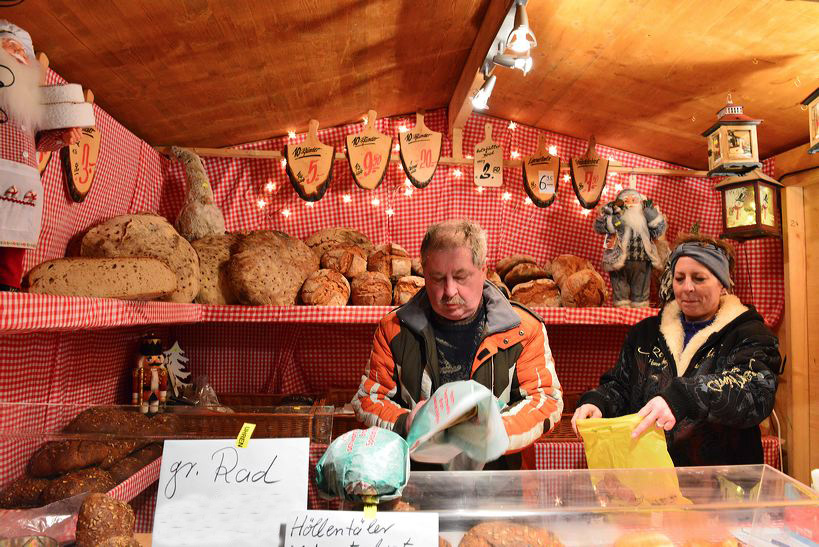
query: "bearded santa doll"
632, 224
21, 192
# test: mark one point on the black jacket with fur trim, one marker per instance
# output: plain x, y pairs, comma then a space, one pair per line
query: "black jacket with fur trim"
720, 386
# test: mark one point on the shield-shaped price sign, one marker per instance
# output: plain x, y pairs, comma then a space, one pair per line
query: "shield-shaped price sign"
541, 173
488, 161
310, 165
80, 163
369, 153
420, 150
589, 176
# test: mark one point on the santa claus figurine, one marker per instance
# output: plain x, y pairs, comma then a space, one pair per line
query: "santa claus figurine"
150, 387
631, 224
21, 202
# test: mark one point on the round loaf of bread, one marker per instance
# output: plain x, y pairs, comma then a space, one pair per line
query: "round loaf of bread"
152, 236
349, 260
504, 265
583, 289
542, 293
405, 288
23, 493
511, 534
493, 277
391, 260
57, 457
92, 479
281, 245
328, 238
101, 518
214, 253
371, 289
525, 271
565, 265
325, 288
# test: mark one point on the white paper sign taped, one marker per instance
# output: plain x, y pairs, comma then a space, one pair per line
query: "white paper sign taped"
348, 528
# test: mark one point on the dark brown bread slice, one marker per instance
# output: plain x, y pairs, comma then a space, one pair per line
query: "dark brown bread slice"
92, 479
125, 278
103, 518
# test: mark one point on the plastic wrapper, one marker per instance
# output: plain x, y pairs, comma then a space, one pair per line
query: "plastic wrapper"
363, 464
460, 426
57, 521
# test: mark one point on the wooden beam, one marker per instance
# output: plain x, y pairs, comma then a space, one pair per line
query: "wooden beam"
471, 78
797, 378
796, 161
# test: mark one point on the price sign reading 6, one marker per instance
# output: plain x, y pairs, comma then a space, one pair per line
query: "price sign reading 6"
372, 163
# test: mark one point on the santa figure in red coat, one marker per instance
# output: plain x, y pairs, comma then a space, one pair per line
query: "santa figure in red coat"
21, 192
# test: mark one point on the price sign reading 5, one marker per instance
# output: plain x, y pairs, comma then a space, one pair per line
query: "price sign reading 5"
372, 163
312, 172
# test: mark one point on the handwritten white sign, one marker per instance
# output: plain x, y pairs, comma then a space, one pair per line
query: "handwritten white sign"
213, 493
353, 529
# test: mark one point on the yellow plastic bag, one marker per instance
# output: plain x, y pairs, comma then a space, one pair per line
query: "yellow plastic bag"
608, 445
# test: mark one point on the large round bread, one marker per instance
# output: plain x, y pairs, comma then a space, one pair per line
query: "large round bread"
542, 293
504, 265
325, 288
349, 260
371, 289
565, 265
282, 245
583, 289
324, 240
101, 518
508, 534
523, 272
151, 236
214, 253
391, 260
405, 288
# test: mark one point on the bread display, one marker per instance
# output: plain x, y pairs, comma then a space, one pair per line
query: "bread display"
523, 272
391, 260
565, 265
104, 419
405, 288
126, 278
507, 534
102, 518
328, 238
504, 265
583, 289
349, 260
325, 288
57, 457
543, 293
214, 253
23, 493
149, 236
85, 480
371, 289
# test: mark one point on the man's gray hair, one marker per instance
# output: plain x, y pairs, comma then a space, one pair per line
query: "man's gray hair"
451, 234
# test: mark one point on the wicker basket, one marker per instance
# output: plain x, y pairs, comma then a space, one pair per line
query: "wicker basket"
343, 421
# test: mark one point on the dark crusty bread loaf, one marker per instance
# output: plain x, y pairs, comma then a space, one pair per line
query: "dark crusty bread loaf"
565, 265
508, 534
371, 289
124, 468
148, 454
126, 278
325, 239
537, 293
405, 288
391, 260
92, 479
57, 457
583, 289
523, 272
23, 493
504, 265
106, 419
349, 260
101, 518
119, 541
325, 288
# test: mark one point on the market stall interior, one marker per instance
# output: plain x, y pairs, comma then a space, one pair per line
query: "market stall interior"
247, 117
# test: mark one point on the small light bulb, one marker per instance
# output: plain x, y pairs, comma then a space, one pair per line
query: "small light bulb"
457, 173
468, 156
506, 196
611, 158
553, 150
284, 163
365, 119
407, 183
402, 128
397, 148
515, 154
376, 202
285, 213
618, 187
389, 212
612, 174
269, 187
346, 198
512, 125
480, 189
261, 203
291, 134
527, 201
567, 178
309, 204
408, 192
585, 212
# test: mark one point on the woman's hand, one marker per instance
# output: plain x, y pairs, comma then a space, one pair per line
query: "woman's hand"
655, 412
414, 411
583, 412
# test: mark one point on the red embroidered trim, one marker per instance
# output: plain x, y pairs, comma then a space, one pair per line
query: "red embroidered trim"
18, 201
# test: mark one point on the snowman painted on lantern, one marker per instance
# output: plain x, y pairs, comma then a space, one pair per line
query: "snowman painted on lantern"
150, 378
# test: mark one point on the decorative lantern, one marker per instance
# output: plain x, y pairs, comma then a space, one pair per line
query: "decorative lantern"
732, 145
750, 206
812, 103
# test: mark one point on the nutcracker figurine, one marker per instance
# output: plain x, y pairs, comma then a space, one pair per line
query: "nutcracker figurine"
150, 386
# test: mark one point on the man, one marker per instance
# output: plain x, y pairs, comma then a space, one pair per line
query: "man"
21, 192
460, 327
631, 224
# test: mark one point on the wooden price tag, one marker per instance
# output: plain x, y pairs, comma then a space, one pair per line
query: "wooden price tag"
589, 176
420, 150
42, 160
369, 153
541, 174
80, 163
310, 165
488, 161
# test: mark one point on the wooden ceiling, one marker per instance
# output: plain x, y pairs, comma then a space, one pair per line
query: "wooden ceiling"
643, 75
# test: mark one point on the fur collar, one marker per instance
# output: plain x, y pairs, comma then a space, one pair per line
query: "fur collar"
671, 328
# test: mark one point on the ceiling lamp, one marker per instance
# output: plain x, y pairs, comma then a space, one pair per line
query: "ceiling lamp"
732, 144
522, 63
521, 39
812, 102
750, 206
481, 98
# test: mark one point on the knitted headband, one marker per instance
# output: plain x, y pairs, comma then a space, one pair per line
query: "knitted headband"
710, 256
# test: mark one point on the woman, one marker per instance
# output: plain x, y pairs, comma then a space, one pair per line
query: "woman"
703, 370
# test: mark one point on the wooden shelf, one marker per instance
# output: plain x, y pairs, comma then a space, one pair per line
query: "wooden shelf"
23, 312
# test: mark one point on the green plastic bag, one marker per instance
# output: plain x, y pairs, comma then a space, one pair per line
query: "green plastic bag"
364, 463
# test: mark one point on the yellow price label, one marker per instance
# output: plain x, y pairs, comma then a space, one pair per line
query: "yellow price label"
369, 511
244, 435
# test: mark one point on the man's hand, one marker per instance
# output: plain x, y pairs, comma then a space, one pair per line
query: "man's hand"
655, 412
583, 412
414, 411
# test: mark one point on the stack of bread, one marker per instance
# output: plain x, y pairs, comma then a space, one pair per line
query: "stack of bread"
61, 469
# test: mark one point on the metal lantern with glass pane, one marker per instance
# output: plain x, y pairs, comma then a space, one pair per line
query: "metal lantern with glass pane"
750, 206
812, 102
732, 145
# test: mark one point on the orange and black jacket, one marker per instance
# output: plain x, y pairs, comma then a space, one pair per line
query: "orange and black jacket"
513, 360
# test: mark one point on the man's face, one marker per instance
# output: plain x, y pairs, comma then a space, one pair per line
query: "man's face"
15, 49
454, 284
631, 200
